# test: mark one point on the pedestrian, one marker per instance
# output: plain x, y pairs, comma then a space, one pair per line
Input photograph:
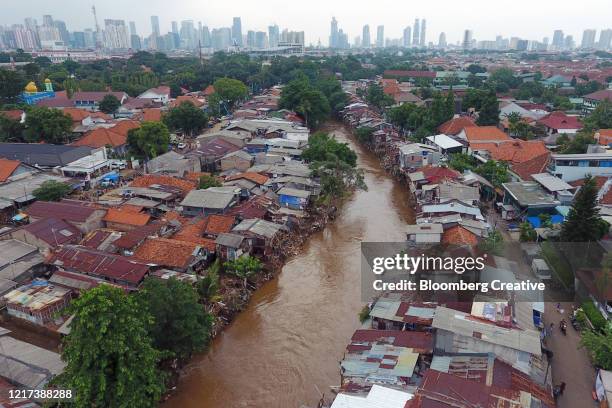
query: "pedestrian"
559, 307
561, 388
550, 331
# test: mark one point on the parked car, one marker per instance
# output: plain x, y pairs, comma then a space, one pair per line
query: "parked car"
118, 165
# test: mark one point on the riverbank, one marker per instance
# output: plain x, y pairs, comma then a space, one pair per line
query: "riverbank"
286, 344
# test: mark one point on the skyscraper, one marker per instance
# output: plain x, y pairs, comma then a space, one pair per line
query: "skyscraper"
273, 35
189, 37
133, 28
423, 29
569, 42
365, 37
557, 41
116, 34
175, 29
588, 39
416, 32
467, 39
47, 20
155, 25
442, 40
250, 39
605, 39
407, 37
380, 36
261, 39
237, 32
333, 33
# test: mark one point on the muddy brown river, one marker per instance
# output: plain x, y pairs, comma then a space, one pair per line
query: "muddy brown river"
286, 346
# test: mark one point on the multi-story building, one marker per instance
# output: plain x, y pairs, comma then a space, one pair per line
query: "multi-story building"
380, 36
588, 39
558, 38
416, 32
273, 35
333, 34
423, 33
365, 37
116, 34
571, 167
442, 40
605, 39
407, 37
261, 39
237, 31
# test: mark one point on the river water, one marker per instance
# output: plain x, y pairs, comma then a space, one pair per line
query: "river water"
288, 343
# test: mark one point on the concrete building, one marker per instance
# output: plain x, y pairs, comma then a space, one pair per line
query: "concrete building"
380, 36
365, 37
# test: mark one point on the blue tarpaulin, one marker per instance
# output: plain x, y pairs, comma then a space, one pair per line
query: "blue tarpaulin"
536, 223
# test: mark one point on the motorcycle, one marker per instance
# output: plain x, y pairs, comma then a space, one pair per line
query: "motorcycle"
563, 327
575, 323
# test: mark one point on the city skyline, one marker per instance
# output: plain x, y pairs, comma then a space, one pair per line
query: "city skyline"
314, 20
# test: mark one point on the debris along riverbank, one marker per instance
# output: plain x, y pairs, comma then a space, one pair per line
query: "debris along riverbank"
293, 330
280, 231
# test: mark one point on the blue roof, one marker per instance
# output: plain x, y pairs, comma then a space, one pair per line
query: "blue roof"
536, 223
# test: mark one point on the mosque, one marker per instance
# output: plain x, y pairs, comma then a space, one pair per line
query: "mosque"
31, 94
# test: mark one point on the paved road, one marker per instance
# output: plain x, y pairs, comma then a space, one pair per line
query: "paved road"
570, 363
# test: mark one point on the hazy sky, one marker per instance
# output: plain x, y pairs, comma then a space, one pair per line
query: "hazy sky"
529, 19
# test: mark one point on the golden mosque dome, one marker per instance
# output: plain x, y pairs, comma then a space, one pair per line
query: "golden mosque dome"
47, 81
31, 87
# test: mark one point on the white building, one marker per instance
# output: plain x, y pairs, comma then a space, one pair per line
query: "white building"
570, 167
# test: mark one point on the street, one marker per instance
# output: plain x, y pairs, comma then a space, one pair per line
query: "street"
570, 362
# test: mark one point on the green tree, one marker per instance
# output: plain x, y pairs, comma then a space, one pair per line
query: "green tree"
10, 130
600, 118
301, 96
364, 134
377, 97
461, 162
149, 140
207, 181
187, 118
599, 345
322, 147
109, 104
492, 244
47, 125
208, 286
51, 190
110, 359
12, 84
583, 223
527, 232
494, 171
180, 326
244, 267
488, 115
231, 90
577, 145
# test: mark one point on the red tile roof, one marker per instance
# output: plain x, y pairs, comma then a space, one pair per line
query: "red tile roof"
101, 137
78, 114
92, 262
218, 224
485, 133
187, 98
437, 174
604, 136
600, 95
559, 120
126, 217
458, 235
166, 252
151, 115
454, 126
409, 74
251, 176
7, 167
145, 181
513, 150
209, 90
535, 165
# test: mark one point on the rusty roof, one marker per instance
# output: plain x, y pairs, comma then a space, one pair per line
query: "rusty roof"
150, 179
75, 211
98, 263
420, 341
251, 176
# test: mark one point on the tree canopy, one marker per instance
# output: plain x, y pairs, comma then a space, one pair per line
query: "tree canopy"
47, 125
109, 104
180, 326
583, 223
186, 117
110, 359
149, 140
231, 90
51, 190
